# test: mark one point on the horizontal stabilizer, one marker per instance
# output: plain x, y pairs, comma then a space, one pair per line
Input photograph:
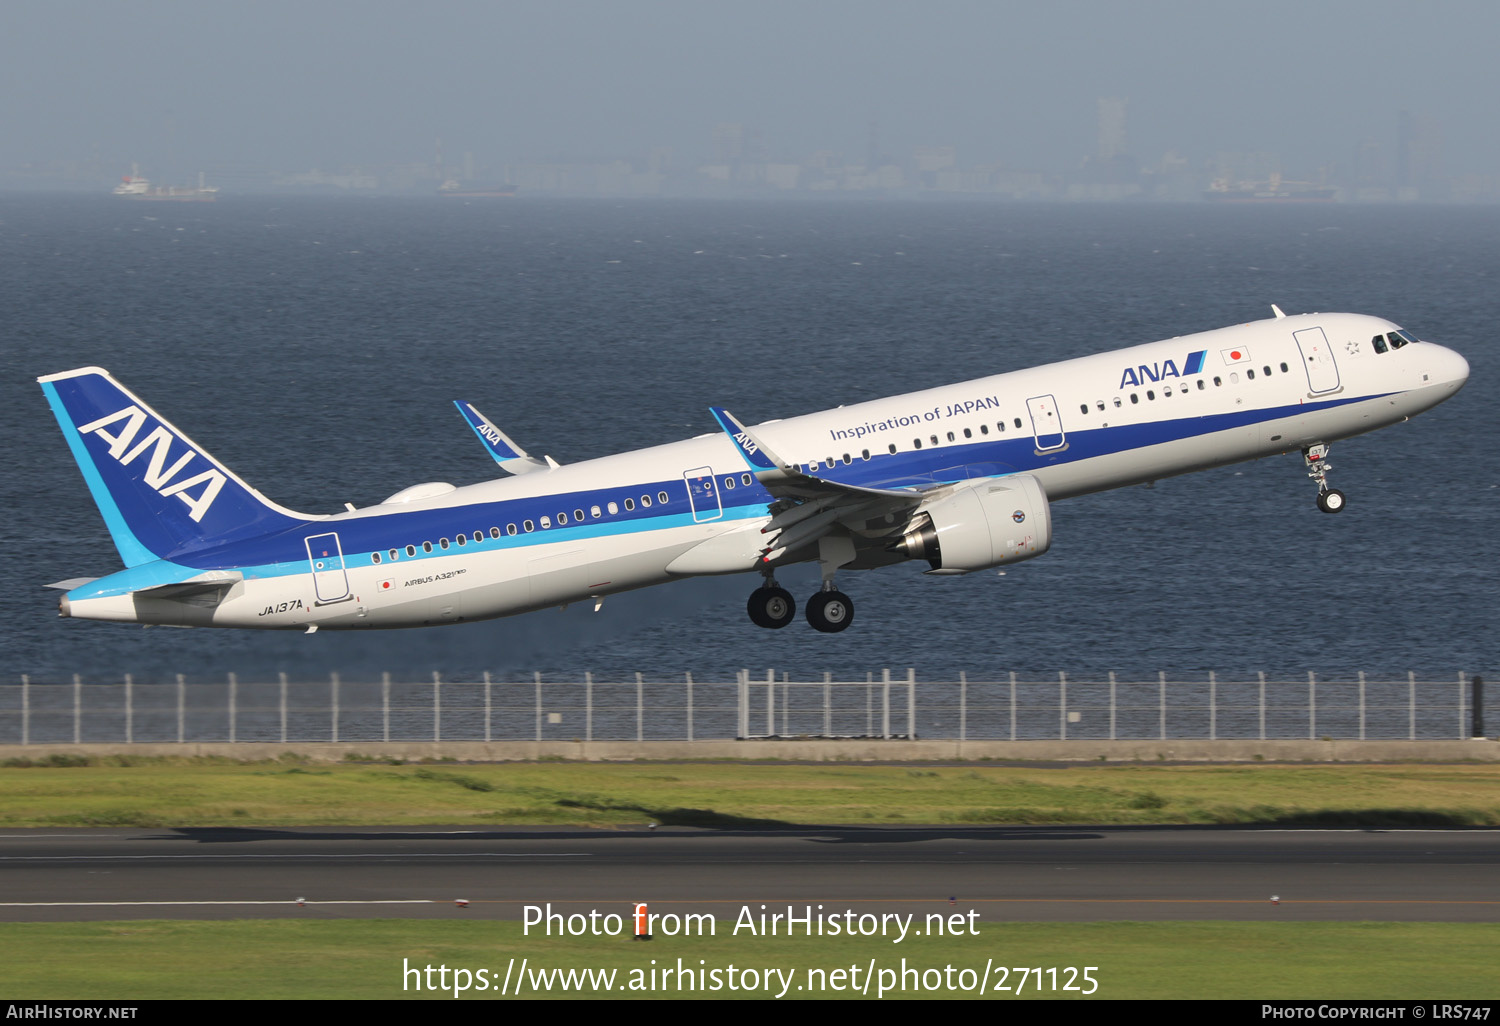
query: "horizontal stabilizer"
71, 583
511, 457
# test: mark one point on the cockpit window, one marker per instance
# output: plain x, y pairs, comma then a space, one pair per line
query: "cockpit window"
1379, 343
1407, 335
1397, 339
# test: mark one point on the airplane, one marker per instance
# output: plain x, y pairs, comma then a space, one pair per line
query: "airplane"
960, 476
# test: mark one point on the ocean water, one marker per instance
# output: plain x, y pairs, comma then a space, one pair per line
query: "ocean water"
313, 345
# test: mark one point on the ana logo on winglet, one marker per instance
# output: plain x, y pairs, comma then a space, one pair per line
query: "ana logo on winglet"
746, 443
158, 475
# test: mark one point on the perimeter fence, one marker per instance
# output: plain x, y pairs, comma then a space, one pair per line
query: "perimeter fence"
751, 707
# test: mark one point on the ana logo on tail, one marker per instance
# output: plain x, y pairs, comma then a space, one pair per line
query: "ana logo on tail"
158, 475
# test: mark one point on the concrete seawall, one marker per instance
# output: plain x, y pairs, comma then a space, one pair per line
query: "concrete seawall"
1332, 751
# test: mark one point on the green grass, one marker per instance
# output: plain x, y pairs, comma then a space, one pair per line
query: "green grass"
134, 791
365, 959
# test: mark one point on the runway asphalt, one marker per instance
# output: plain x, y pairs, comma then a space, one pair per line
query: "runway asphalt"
1006, 873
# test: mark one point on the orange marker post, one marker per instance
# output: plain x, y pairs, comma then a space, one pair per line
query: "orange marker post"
642, 922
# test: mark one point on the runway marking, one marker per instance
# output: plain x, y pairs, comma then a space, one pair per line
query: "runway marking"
294, 857
95, 904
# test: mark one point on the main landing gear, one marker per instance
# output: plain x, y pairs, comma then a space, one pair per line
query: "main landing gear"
773, 607
1330, 500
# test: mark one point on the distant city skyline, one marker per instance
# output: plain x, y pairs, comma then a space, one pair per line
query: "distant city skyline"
344, 86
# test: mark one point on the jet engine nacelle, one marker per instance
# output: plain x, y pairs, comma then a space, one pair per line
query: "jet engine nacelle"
983, 524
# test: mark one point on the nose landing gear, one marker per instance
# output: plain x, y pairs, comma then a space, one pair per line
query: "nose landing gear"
1315, 457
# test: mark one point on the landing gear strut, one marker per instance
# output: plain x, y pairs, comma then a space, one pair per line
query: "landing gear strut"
1330, 500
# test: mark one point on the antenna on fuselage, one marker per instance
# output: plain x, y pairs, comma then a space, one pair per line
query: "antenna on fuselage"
1277, 311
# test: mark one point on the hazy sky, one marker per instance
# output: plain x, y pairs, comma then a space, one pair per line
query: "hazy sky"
292, 85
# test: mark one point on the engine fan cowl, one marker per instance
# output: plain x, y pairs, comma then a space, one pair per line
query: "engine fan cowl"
985, 524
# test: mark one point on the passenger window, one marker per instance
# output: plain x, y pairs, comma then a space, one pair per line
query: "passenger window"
613, 509
660, 496
645, 502
1084, 408
510, 529
968, 433
1018, 422
1218, 381
462, 540
864, 454
745, 480
395, 555
1379, 343
1100, 404
495, 531
1283, 369
1150, 394
1266, 370
529, 526
1200, 384
952, 437
411, 550
1118, 404
578, 515
374, 557
984, 429
442, 543
916, 443
1166, 391
934, 439
1234, 378
893, 448
546, 522
1134, 398
829, 462
562, 518
729, 482
595, 512
1250, 374
629, 505
1001, 426
427, 546
848, 459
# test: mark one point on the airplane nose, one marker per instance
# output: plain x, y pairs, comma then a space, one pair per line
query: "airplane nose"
1452, 367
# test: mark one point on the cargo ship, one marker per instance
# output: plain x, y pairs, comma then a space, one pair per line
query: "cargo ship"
1273, 191
133, 186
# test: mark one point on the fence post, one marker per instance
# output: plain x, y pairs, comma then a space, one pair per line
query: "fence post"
885, 703
1476, 709
437, 708
283, 705
690, 705
1361, 705
639, 706
1012, 705
537, 679
911, 703
1112, 706
827, 704
25, 709
129, 710
486, 706
385, 706
1262, 705
1062, 706
588, 706
963, 706
869, 704
1161, 683
77, 709
770, 702
181, 701
1213, 706
1312, 706
742, 685
1461, 682
1411, 705
333, 703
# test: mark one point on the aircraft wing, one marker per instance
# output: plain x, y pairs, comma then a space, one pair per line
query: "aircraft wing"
808, 506
511, 457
